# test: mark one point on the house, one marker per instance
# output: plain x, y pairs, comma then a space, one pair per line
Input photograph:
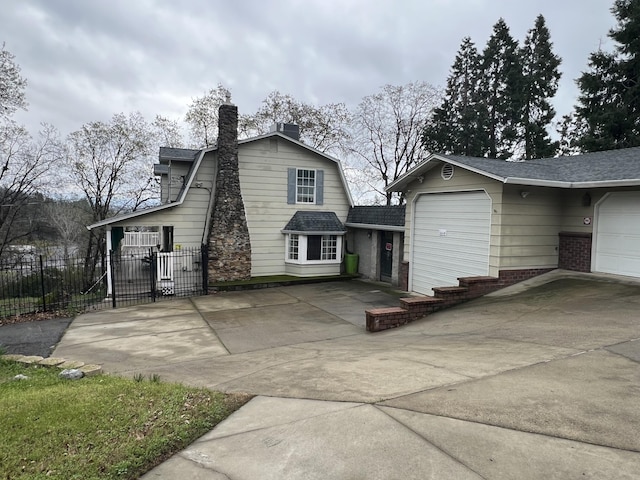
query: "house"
376, 234
475, 217
267, 205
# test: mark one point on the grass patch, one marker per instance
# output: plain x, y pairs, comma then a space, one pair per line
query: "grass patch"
98, 427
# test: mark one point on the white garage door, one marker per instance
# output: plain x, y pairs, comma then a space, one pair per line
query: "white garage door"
617, 235
451, 236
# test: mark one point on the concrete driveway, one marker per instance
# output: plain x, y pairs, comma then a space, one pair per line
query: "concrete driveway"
537, 382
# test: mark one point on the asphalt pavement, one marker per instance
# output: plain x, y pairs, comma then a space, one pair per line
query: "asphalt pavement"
33, 338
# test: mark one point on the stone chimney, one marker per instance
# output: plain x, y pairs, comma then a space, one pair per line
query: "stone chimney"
229, 242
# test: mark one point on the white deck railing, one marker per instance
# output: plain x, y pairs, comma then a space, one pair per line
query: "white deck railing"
141, 239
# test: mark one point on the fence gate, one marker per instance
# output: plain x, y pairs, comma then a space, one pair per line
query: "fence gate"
136, 274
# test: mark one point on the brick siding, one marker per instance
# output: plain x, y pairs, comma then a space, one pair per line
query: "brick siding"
574, 252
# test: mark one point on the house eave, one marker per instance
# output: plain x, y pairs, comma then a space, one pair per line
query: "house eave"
128, 216
369, 226
312, 232
572, 185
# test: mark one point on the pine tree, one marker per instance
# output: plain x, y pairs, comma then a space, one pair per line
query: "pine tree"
540, 76
608, 110
500, 88
454, 128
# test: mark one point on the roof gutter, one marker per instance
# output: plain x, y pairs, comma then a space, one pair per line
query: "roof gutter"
369, 226
557, 184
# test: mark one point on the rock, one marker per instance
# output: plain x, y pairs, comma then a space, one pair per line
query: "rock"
12, 357
51, 361
21, 377
71, 364
91, 370
71, 374
30, 359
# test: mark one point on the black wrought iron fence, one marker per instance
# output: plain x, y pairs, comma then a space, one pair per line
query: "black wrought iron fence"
38, 283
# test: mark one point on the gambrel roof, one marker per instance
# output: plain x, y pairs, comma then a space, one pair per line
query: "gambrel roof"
611, 168
196, 156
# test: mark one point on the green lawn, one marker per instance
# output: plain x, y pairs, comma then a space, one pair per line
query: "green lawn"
98, 427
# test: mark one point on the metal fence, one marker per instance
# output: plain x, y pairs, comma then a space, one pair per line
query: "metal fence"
36, 283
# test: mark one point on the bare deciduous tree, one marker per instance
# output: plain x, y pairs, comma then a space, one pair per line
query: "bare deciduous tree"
12, 85
111, 164
202, 116
324, 128
387, 130
24, 162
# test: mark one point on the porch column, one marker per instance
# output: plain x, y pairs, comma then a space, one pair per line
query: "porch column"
109, 248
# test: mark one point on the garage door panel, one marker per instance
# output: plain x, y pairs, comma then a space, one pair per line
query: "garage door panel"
451, 238
617, 234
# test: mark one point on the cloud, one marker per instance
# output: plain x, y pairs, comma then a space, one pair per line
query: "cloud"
86, 61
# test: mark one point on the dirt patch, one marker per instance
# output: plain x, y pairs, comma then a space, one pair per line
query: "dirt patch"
32, 317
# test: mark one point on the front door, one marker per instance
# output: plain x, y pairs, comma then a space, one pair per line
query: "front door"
386, 256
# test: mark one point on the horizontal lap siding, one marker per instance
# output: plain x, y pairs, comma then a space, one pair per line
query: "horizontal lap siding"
188, 219
530, 227
263, 180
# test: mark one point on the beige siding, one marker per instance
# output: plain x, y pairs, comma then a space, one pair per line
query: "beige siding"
187, 219
169, 192
263, 180
462, 180
530, 227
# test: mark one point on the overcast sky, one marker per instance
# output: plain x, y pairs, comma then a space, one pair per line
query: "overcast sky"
88, 59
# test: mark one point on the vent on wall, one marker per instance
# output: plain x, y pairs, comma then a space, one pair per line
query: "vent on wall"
447, 171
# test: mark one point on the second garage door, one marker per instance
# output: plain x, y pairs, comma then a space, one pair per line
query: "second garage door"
617, 234
451, 237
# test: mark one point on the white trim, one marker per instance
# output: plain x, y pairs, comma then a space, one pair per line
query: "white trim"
315, 185
302, 249
371, 226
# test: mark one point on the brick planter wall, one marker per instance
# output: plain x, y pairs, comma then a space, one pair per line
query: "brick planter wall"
574, 252
509, 277
413, 308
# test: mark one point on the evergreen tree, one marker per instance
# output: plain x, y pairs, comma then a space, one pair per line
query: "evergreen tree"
608, 110
540, 84
454, 128
500, 87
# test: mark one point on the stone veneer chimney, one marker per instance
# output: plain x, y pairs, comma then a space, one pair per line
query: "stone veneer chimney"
229, 242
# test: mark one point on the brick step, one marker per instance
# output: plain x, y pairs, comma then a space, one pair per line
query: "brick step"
378, 319
421, 306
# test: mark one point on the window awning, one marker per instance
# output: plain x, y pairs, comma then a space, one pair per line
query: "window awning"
319, 223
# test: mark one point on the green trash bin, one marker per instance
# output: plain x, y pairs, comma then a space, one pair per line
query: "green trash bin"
351, 263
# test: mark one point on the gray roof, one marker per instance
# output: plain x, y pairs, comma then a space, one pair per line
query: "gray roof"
177, 154
314, 222
386, 215
608, 168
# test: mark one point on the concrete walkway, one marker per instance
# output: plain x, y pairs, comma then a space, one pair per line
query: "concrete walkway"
534, 382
